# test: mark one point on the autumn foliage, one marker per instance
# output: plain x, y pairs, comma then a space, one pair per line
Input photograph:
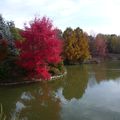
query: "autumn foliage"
3, 49
76, 48
101, 46
40, 48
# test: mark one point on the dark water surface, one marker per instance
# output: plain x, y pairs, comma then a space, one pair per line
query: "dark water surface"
88, 92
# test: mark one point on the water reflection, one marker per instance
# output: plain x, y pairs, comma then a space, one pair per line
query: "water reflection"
100, 102
106, 71
88, 92
76, 82
39, 104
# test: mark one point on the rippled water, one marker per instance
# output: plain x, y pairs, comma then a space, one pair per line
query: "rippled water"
88, 92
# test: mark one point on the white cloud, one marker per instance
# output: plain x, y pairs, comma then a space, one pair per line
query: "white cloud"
97, 15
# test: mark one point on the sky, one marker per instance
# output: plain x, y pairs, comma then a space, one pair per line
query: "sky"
93, 16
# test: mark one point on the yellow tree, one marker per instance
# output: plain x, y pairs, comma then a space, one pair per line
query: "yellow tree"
85, 53
82, 45
69, 45
76, 47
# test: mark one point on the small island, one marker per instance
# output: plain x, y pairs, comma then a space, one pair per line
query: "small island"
30, 55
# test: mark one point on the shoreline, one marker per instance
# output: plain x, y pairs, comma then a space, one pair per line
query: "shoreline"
33, 80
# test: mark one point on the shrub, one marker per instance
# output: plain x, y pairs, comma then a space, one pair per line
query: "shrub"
56, 69
3, 49
10, 71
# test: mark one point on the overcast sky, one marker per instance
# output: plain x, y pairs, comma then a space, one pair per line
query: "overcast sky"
93, 16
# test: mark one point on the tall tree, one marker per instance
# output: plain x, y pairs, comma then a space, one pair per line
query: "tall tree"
69, 38
40, 48
82, 44
5, 30
76, 47
101, 46
92, 45
6, 34
15, 32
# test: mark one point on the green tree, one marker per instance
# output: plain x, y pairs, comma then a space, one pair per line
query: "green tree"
5, 30
5, 34
92, 45
113, 43
14, 31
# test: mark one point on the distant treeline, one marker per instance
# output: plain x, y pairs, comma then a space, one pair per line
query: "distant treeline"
78, 46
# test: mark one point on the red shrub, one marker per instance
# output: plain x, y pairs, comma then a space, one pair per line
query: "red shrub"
40, 48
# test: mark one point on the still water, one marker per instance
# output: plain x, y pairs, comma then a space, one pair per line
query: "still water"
88, 92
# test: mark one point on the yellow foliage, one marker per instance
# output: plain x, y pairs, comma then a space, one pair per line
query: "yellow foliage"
76, 46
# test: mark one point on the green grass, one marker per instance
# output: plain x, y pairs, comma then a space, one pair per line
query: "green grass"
2, 115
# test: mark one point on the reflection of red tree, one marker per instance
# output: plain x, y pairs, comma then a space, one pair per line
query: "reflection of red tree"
44, 107
40, 48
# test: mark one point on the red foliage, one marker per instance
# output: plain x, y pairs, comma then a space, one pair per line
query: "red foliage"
3, 43
101, 46
40, 48
3, 49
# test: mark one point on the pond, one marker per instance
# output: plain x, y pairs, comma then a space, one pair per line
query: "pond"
88, 92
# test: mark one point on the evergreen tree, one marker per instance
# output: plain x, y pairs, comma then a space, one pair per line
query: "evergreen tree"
14, 31
5, 30
6, 34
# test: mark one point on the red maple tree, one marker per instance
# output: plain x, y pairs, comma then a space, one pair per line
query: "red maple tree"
101, 46
40, 47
